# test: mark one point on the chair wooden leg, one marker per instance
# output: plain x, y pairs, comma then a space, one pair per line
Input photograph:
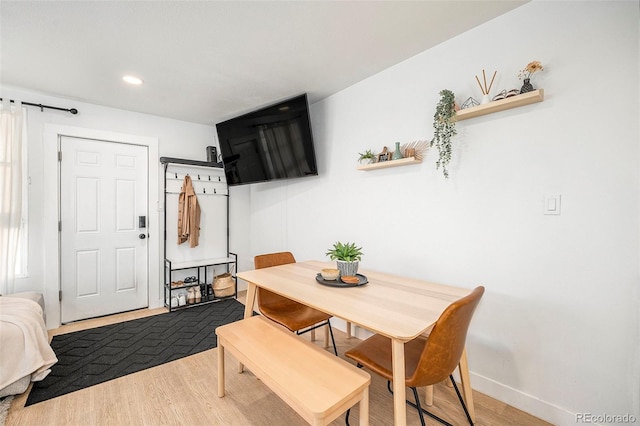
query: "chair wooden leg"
313, 335
428, 395
463, 369
348, 330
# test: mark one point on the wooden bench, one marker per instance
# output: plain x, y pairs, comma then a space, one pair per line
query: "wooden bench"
316, 384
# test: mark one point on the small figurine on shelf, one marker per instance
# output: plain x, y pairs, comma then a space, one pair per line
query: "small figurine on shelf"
385, 155
525, 75
470, 103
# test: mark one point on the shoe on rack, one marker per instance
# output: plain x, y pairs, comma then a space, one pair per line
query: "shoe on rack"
204, 290
191, 297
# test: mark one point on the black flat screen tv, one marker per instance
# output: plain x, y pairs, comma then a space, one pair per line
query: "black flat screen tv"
271, 143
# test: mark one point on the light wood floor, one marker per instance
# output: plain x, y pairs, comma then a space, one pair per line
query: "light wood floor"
183, 392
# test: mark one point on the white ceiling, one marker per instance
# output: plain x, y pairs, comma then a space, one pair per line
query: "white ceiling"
205, 61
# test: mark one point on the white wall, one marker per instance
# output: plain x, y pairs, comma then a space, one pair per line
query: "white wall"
175, 139
557, 332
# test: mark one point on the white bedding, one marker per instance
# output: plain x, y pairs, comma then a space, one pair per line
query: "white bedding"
24, 343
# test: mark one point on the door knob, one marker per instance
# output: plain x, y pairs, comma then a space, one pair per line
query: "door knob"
142, 236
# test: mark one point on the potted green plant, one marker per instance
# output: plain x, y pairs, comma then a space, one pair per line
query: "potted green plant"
367, 157
444, 128
347, 257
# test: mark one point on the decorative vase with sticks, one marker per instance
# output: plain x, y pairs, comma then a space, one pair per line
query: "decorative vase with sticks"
485, 89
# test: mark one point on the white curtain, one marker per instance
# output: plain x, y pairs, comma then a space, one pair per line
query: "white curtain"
11, 182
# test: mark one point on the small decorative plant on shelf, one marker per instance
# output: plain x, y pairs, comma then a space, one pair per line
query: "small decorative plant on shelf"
444, 128
347, 257
526, 73
367, 157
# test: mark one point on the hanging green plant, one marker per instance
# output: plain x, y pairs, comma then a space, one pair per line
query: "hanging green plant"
444, 128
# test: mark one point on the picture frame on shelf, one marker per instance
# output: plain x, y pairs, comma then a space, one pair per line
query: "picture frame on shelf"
385, 155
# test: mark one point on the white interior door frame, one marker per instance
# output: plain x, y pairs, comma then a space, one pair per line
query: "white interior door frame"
52, 134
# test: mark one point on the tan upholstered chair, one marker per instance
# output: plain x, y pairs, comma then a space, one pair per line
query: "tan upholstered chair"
291, 314
428, 360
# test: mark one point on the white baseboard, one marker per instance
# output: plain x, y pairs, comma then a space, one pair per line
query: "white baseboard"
522, 401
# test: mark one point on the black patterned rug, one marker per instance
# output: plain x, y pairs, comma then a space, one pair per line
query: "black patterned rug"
90, 357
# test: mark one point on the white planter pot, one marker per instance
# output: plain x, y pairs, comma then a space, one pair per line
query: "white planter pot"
347, 268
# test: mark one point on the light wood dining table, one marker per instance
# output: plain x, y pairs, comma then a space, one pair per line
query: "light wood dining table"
397, 307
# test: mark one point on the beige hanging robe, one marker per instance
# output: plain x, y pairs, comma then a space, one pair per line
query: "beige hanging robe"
188, 214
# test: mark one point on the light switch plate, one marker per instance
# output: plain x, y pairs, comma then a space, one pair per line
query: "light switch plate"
552, 204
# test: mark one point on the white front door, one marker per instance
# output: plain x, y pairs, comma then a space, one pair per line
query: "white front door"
103, 246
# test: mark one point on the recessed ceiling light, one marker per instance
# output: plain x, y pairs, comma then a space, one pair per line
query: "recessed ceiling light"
132, 80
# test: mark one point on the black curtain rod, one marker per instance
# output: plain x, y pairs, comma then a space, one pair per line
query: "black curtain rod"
71, 110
